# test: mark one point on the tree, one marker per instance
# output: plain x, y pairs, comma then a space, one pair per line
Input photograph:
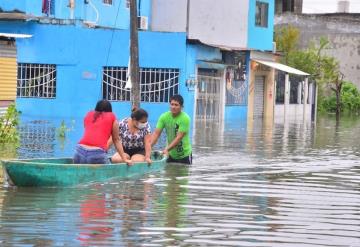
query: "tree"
287, 39
334, 79
323, 69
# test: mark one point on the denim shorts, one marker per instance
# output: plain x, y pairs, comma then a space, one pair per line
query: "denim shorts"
85, 155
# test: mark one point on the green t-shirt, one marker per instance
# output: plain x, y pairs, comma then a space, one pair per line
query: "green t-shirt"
173, 125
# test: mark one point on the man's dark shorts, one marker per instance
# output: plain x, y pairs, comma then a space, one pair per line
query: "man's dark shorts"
185, 160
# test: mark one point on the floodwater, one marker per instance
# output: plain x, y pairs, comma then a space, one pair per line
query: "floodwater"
291, 184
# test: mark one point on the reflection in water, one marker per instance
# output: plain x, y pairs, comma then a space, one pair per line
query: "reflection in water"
7, 151
290, 184
37, 139
96, 220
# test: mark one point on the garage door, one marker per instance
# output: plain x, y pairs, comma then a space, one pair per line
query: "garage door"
8, 70
259, 97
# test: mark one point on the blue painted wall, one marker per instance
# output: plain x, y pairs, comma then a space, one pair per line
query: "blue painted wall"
235, 112
207, 53
10, 5
115, 15
105, 15
260, 38
76, 50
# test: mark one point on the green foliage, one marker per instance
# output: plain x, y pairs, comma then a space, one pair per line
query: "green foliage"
287, 39
323, 69
63, 129
8, 125
350, 100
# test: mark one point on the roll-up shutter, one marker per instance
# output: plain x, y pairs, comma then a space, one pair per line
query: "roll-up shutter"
259, 96
8, 70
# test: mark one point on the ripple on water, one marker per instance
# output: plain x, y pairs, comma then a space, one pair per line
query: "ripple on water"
291, 185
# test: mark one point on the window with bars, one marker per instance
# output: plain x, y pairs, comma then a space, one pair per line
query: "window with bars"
36, 80
156, 85
262, 13
110, 2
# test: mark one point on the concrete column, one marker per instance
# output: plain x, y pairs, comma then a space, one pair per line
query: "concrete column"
300, 86
316, 99
286, 95
306, 83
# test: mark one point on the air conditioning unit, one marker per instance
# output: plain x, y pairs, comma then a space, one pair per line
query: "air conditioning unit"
143, 22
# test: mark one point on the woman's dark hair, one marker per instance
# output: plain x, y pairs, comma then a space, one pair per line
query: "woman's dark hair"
138, 114
102, 106
178, 98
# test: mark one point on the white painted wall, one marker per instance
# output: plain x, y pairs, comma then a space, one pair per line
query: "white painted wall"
169, 15
293, 112
328, 6
213, 22
222, 23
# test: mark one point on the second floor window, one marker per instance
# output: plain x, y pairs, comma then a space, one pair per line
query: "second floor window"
261, 14
110, 2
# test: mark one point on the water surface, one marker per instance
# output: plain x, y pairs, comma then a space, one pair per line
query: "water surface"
283, 185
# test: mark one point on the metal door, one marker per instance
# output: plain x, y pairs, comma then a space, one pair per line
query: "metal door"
259, 97
209, 105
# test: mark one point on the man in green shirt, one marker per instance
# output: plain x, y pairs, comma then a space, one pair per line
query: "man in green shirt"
177, 126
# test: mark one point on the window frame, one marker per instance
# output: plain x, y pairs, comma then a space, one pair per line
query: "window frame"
108, 2
262, 14
36, 81
157, 85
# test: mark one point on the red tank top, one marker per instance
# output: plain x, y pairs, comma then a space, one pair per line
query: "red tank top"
97, 133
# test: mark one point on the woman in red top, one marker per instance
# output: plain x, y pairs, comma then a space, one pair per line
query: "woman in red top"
99, 126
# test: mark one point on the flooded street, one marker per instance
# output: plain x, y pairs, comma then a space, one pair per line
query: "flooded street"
286, 185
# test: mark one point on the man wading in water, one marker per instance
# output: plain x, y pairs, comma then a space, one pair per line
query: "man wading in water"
177, 126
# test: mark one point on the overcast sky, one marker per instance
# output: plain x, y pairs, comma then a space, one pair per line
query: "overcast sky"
328, 6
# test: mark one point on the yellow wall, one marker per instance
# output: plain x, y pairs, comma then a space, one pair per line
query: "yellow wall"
8, 77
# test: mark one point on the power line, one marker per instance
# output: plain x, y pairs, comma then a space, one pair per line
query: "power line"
112, 33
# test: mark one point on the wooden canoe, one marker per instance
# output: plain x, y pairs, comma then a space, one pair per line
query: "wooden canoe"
61, 172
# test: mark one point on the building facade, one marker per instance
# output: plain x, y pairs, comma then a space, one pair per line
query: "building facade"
220, 39
72, 53
338, 21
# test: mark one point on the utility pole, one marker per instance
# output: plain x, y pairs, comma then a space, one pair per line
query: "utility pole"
134, 55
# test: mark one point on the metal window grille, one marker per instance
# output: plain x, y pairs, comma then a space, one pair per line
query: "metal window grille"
236, 85
156, 85
108, 2
236, 94
36, 80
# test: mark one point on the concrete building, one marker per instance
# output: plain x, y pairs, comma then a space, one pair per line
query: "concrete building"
77, 52
340, 27
72, 53
224, 38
